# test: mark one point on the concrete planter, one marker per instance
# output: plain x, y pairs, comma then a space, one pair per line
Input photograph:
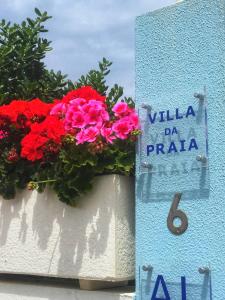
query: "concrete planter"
39, 235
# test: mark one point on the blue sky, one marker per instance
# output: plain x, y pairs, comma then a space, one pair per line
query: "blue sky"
84, 31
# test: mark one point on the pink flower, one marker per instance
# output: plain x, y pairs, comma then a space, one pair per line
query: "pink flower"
87, 135
78, 120
80, 137
93, 116
121, 108
97, 105
69, 114
122, 128
95, 113
107, 133
74, 118
134, 120
78, 102
104, 115
59, 110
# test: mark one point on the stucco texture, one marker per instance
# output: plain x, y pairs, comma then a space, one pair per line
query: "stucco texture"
39, 235
180, 51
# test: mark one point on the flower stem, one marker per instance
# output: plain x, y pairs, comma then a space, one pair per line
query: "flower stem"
45, 181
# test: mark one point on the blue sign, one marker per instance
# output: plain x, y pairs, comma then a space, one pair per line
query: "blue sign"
171, 134
160, 283
181, 289
172, 146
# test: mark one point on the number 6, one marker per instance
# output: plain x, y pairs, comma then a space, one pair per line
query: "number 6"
177, 213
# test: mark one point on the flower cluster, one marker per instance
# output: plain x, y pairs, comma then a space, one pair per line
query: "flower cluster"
85, 92
126, 122
43, 138
82, 113
89, 120
23, 113
71, 140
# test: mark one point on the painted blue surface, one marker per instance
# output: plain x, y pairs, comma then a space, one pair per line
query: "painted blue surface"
179, 51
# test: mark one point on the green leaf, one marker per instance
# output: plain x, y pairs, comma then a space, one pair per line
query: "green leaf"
31, 22
37, 11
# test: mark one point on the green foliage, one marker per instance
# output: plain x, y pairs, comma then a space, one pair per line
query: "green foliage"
71, 173
12, 178
23, 74
97, 79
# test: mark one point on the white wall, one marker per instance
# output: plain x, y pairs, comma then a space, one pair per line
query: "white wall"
40, 235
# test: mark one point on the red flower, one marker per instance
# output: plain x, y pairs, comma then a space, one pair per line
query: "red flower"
85, 92
13, 110
23, 113
37, 110
34, 144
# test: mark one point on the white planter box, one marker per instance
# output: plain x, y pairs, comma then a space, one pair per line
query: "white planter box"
39, 235
24, 291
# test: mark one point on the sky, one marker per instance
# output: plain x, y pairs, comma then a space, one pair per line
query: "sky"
84, 31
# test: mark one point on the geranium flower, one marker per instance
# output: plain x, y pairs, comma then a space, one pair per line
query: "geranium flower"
59, 110
24, 113
78, 120
81, 114
35, 142
107, 133
32, 146
78, 102
121, 109
85, 92
122, 128
93, 117
37, 108
87, 135
134, 120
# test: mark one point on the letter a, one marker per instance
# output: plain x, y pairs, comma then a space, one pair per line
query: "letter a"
161, 280
172, 147
174, 131
193, 144
190, 112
